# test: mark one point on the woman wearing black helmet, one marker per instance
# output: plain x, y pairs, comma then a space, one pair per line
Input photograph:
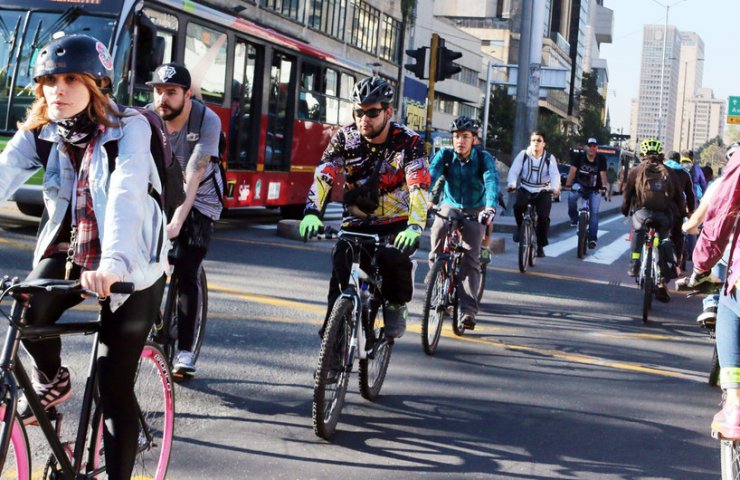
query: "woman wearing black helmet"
92, 212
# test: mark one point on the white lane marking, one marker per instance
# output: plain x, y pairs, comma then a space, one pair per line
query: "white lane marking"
558, 248
608, 254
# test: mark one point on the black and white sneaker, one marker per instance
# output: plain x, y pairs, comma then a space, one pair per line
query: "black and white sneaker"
50, 393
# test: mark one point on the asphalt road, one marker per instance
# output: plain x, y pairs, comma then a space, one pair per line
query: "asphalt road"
561, 379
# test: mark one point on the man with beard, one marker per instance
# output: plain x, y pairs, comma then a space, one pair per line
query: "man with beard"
191, 225
386, 175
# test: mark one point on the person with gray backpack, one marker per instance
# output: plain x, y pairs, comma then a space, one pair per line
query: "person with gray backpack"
195, 134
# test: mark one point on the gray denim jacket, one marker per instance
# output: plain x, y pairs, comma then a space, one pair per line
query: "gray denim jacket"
131, 224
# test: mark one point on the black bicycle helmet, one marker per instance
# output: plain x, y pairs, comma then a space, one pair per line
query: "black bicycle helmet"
74, 54
372, 90
464, 123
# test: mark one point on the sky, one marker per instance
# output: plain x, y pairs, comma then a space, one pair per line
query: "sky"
717, 22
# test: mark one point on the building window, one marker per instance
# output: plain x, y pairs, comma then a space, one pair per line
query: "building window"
365, 26
288, 8
390, 40
328, 16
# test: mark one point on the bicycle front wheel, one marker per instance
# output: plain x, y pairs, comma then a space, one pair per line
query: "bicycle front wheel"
647, 287
524, 245
155, 395
374, 367
332, 372
17, 462
730, 459
199, 330
582, 234
434, 309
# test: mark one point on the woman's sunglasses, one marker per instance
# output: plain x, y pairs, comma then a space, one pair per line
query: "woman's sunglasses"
370, 112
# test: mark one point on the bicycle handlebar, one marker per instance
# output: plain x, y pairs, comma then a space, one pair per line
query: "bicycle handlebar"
63, 287
466, 216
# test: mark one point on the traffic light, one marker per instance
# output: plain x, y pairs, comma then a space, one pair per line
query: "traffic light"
420, 55
445, 57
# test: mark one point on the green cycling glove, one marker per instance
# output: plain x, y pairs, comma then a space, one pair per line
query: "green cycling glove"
309, 227
408, 239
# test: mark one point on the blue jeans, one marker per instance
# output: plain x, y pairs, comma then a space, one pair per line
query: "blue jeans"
594, 201
728, 334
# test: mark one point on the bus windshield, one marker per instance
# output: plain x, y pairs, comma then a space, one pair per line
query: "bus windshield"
20, 40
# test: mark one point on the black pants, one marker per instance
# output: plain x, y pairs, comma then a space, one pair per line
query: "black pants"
662, 222
394, 266
191, 246
122, 337
542, 202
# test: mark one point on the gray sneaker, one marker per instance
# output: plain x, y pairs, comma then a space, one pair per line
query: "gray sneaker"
395, 319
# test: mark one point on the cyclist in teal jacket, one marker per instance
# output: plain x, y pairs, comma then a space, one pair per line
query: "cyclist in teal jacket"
470, 186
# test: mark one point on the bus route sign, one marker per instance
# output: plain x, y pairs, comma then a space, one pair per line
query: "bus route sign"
733, 110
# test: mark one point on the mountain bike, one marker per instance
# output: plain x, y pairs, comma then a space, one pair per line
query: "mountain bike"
354, 331
164, 330
528, 239
441, 297
83, 457
649, 276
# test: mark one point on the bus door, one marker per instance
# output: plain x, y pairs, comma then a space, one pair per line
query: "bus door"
243, 129
280, 112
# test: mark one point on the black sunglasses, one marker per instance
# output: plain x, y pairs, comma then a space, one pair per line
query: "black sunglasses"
370, 112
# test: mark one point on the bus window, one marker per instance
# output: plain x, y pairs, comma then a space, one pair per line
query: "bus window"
165, 27
310, 101
205, 58
345, 104
242, 153
277, 153
331, 89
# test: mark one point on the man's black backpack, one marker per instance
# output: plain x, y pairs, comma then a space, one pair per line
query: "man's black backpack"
169, 170
198, 113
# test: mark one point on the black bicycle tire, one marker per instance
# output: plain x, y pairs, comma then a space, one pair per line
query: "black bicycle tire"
369, 387
647, 287
199, 331
482, 284
168, 337
713, 379
533, 247
524, 245
430, 347
457, 327
730, 459
582, 235
340, 322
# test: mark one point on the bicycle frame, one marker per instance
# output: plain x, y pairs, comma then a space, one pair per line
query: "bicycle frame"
14, 375
651, 242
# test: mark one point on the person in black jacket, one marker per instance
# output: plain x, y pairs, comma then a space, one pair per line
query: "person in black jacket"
687, 187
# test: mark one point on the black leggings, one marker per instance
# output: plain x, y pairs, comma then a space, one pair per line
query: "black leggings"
542, 201
187, 267
122, 337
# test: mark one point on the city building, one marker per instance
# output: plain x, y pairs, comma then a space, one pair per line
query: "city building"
691, 72
705, 118
657, 94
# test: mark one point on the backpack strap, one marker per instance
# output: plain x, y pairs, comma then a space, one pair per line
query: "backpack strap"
199, 109
43, 148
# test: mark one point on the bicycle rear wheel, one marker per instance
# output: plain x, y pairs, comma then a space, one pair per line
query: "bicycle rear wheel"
17, 462
332, 371
647, 287
434, 308
375, 366
171, 317
730, 459
524, 245
582, 234
714, 370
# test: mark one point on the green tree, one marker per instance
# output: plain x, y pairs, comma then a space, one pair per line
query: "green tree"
501, 114
558, 141
711, 153
591, 105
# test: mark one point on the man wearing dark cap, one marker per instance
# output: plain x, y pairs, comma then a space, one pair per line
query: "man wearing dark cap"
587, 178
685, 184
194, 132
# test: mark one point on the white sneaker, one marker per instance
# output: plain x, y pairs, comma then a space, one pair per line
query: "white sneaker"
184, 364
